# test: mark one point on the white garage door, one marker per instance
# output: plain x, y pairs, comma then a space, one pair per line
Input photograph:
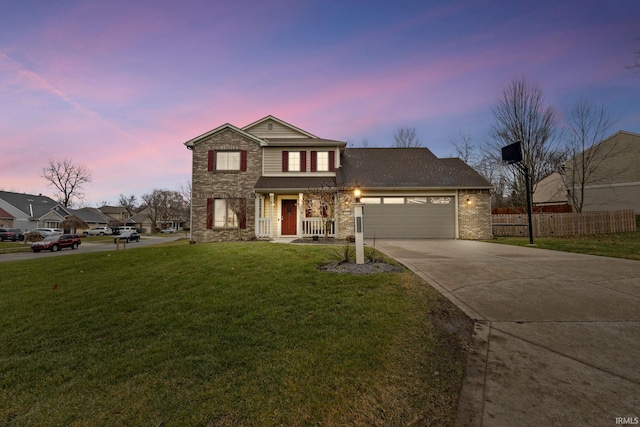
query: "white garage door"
410, 218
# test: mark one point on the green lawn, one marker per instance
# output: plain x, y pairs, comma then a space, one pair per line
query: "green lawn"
621, 245
222, 335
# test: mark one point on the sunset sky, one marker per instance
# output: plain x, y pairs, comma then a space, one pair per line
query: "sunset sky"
120, 85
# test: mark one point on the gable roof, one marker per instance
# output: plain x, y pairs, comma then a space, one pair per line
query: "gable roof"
30, 204
5, 215
91, 215
227, 126
280, 122
402, 168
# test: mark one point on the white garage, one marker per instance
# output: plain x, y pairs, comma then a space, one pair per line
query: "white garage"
432, 217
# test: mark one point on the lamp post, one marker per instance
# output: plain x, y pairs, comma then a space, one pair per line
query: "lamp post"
359, 226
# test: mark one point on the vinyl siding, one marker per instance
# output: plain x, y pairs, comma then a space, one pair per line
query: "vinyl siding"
272, 160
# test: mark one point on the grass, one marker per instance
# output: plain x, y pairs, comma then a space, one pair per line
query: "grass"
222, 335
620, 245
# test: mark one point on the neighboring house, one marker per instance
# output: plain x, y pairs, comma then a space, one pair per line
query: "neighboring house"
550, 191
143, 222
31, 211
258, 181
613, 182
119, 215
6, 219
93, 217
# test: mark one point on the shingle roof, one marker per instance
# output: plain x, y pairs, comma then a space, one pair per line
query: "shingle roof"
405, 168
31, 204
279, 184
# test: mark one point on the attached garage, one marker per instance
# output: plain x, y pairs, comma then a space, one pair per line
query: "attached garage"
410, 218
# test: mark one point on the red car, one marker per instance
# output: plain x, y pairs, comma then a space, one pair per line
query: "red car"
56, 242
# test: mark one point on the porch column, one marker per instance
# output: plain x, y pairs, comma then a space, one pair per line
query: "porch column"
271, 206
300, 212
256, 214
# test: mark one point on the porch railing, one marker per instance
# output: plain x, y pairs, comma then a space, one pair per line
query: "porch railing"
317, 227
264, 227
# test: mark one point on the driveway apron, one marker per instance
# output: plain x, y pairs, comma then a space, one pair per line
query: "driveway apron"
557, 335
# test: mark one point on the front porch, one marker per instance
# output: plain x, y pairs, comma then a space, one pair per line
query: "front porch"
291, 216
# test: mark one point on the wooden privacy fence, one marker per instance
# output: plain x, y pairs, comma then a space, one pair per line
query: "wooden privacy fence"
564, 224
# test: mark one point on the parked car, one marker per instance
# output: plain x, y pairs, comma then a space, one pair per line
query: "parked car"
12, 234
44, 232
168, 230
55, 242
99, 231
127, 236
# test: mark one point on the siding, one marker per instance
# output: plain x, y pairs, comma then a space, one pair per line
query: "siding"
279, 131
272, 160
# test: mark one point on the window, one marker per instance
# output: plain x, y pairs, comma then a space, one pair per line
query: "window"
322, 161
227, 160
394, 200
294, 161
370, 200
226, 213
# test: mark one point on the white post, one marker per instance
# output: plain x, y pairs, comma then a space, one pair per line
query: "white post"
359, 229
271, 210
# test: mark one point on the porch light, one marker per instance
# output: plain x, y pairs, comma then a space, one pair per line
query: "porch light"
468, 202
357, 193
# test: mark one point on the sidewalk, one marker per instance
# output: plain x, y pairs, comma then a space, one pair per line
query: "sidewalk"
557, 335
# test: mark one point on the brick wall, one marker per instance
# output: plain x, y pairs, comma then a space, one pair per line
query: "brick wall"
474, 214
221, 184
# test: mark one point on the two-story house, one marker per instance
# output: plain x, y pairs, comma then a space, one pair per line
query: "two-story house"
262, 181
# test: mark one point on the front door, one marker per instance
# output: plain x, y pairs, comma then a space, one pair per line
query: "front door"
289, 218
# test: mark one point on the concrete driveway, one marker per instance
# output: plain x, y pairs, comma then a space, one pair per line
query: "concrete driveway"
557, 335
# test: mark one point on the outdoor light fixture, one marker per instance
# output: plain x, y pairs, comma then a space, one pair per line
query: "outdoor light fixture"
468, 202
357, 193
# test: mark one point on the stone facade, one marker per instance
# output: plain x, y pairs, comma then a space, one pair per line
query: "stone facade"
224, 184
474, 214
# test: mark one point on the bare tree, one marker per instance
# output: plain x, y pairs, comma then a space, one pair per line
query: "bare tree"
588, 125
164, 207
465, 149
521, 114
130, 202
406, 137
636, 62
68, 179
323, 202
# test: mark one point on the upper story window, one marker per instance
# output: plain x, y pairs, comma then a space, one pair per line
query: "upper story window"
227, 160
323, 161
294, 161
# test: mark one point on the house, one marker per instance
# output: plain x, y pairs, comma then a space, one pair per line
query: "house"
611, 174
264, 181
31, 211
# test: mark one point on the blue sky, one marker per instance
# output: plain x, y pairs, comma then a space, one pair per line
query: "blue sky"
119, 86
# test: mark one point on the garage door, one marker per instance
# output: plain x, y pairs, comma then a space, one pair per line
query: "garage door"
432, 219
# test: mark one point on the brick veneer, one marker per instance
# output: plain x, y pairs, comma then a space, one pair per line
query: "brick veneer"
221, 184
474, 214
